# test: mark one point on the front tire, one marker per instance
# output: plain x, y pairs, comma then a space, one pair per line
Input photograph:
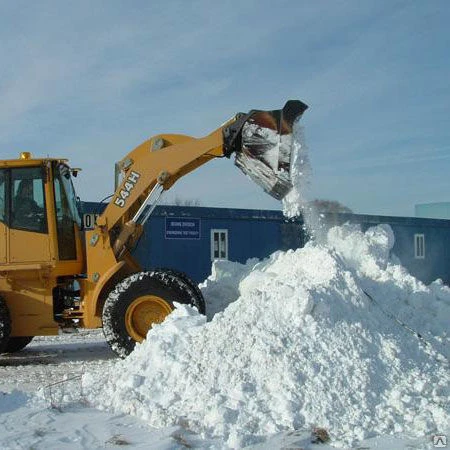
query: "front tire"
196, 294
140, 301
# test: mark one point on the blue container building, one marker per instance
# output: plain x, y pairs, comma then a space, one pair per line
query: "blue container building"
190, 238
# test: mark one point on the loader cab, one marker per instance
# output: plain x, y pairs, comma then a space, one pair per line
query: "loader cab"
40, 243
40, 222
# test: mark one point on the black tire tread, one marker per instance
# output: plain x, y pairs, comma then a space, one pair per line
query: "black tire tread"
17, 343
5, 325
165, 283
197, 293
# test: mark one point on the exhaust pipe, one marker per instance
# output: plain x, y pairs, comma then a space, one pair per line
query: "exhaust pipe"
262, 142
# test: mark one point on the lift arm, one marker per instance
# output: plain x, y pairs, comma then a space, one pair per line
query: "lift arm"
260, 140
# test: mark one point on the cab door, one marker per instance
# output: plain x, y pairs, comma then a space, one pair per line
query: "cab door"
3, 229
29, 240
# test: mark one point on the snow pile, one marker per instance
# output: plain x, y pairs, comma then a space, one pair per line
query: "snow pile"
222, 287
302, 346
425, 309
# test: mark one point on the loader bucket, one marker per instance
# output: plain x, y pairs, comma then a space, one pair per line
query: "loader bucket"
263, 145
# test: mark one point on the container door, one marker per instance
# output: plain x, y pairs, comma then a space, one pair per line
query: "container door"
219, 244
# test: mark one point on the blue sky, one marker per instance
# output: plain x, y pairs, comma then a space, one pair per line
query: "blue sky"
90, 80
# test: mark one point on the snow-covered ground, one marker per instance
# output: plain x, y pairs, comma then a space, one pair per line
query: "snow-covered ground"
335, 340
53, 368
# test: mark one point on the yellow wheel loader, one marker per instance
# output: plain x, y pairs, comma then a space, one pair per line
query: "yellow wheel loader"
54, 275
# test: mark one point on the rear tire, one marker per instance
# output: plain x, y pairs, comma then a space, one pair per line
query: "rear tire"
140, 301
5, 325
17, 343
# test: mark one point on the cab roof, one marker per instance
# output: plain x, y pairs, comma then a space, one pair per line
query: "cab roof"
29, 161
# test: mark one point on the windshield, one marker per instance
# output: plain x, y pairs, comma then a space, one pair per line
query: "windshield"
67, 194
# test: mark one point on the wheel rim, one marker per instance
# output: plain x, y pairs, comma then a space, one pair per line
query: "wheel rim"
143, 313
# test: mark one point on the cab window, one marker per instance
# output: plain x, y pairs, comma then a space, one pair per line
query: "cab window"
27, 200
66, 213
